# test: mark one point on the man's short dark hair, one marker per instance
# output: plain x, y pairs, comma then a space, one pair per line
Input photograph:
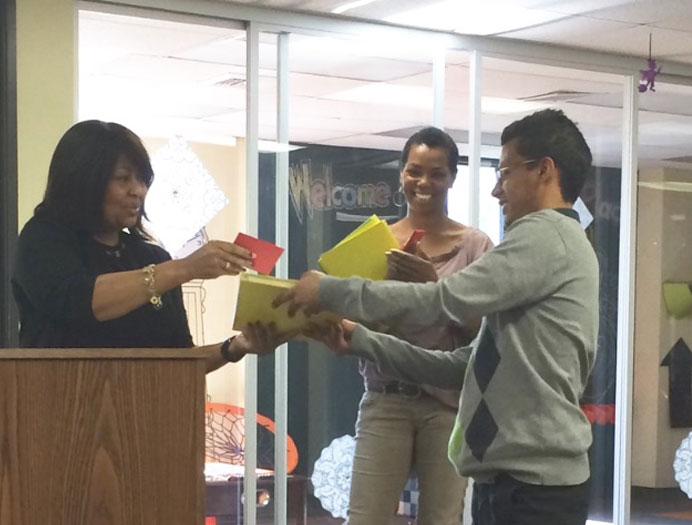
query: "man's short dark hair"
433, 138
549, 133
82, 165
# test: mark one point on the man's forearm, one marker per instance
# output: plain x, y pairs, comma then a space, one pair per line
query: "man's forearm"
381, 301
409, 362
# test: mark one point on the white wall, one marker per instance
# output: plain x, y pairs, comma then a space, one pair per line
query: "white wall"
226, 165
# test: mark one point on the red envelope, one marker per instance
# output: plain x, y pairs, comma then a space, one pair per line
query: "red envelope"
266, 253
413, 240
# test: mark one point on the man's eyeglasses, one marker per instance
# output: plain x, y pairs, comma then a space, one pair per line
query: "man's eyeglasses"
501, 174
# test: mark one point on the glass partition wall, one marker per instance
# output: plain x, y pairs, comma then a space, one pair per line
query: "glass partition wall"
352, 107
513, 89
291, 143
661, 476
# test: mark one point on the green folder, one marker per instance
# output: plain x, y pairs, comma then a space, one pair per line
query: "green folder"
678, 298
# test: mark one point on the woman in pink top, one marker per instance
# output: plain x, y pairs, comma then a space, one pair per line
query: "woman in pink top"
404, 427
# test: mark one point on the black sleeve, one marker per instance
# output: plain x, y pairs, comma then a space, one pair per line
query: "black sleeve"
50, 271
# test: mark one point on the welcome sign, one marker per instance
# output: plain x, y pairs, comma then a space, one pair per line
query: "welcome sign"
312, 187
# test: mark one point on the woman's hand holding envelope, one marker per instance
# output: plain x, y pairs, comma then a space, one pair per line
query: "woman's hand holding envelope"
409, 267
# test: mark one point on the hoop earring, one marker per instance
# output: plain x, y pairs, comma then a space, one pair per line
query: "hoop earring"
398, 197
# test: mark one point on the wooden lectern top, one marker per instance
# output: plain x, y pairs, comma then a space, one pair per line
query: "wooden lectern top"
101, 353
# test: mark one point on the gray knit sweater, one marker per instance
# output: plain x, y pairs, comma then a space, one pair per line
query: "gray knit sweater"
525, 372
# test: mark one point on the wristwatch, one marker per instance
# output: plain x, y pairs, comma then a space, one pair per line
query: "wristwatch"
225, 351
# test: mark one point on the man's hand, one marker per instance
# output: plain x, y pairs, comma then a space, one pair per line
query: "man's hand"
403, 266
336, 336
305, 295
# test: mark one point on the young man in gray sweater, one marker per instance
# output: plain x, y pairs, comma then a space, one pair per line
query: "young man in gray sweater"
520, 432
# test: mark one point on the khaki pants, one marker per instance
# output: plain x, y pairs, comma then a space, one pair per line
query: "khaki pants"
395, 433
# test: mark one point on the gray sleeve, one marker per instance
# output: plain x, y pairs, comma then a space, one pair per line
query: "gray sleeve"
411, 363
524, 268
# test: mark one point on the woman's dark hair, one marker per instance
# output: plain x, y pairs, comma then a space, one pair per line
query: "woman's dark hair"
433, 138
549, 133
82, 165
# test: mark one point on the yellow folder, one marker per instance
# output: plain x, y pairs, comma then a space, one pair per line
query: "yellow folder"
254, 304
362, 252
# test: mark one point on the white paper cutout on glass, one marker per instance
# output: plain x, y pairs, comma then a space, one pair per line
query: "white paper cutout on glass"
332, 475
585, 217
184, 196
682, 465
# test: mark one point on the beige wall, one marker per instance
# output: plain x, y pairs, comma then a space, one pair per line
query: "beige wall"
47, 107
664, 253
46, 80
227, 166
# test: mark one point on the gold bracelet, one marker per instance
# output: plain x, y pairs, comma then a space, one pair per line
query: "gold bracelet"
150, 282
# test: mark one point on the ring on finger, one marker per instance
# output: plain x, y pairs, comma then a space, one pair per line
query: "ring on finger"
227, 266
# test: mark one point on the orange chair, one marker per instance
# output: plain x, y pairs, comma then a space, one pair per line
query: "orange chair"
225, 438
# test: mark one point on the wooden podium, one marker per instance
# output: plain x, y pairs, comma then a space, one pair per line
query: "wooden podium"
101, 437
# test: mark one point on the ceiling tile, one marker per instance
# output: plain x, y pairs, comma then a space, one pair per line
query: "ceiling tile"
370, 141
604, 35
165, 77
572, 32
103, 37
575, 7
162, 70
644, 11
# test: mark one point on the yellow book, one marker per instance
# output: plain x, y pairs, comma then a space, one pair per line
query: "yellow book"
362, 253
255, 297
373, 220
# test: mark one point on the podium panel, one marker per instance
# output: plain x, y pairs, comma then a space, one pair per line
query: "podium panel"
101, 437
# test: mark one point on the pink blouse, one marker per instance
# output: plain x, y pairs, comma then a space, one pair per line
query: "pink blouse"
448, 337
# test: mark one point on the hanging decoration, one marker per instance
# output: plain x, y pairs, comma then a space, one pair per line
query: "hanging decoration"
648, 80
184, 196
